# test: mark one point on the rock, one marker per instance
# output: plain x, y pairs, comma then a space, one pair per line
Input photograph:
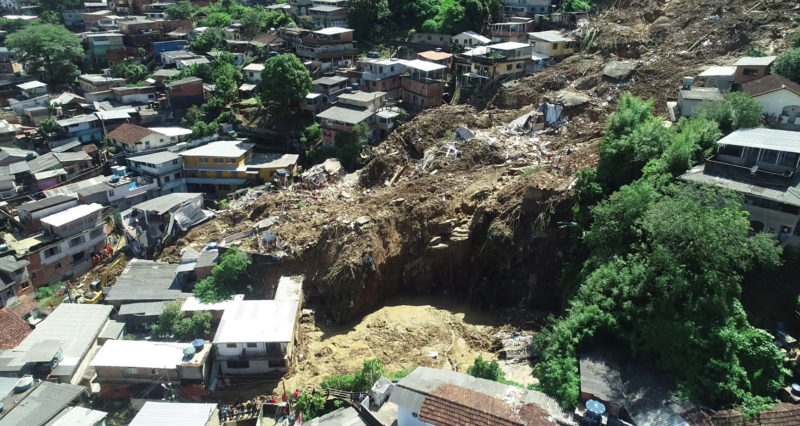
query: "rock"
362, 220
586, 83
464, 133
435, 240
619, 70
397, 201
569, 98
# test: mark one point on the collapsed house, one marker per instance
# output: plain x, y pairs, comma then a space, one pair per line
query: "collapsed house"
151, 225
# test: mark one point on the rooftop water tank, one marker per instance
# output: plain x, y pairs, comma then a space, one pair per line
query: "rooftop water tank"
198, 344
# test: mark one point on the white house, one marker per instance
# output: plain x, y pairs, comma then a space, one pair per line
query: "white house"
133, 138
469, 39
252, 72
256, 336
778, 96
165, 167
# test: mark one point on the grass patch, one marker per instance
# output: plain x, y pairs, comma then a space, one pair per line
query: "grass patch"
405, 371
48, 294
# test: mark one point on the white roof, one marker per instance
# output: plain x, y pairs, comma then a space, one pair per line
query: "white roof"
233, 149
70, 214
193, 304
509, 45
254, 67
480, 50
424, 65
171, 131
476, 36
333, 30
755, 61
718, 71
79, 416
155, 413
549, 36
139, 354
289, 288
778, 140
258, 321
31, 85
114, 114
538, 56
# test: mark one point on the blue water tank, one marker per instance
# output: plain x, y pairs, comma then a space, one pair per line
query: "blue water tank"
355, 86
198, 344
114, 179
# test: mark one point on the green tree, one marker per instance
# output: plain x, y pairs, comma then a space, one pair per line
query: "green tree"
210, 39
311, 135
224, 280
361, 381
174, 324
350, 145
787, 64
736, 111
217, 20
295, 84
367, 17
50, 17
49, 47
311, 405
182, 10
131, 72
486, 370
796, 40
192, 116
575, 6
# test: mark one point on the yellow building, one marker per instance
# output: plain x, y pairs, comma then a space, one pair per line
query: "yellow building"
501, 59
551, 43
225, 166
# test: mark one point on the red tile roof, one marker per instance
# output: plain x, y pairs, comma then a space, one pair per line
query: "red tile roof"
12, 329
433, 55
783, 414
129, 133
451, 405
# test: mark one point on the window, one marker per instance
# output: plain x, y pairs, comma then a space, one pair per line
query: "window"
132, 370
203, 159
252, 345
58, 266
76, 241
219, 174
789, 159
275, 364
750, 71
96, 232
52, 251
769, 156
509, 67
178, 175
219, 160
238, 364
78, 257
153, 371
166, 179
231, 345
174, 162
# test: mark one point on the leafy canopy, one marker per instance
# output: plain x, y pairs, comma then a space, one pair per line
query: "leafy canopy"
736, 111
49, 47
311, 405
295, 83
225, 279
174, 324
486, 370
787, 64
361, 381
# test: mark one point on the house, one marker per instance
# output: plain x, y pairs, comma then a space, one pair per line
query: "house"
469, 39
431, 40
100, 44
719, 77
325, 16
132, 138
690, 97
92, 20
515, 29
257, 336
126, 368
751, 68
763, 165
152, 223
40, 406
86, 128
601, 380
552, 44
223, 166
91, 83
156, 413
166, 168
340, 417
147, 281
9, 155
188, 62
441, 58
328, 49
31, 213
300, 7
73, 18
59, 344
171, 57
441, 397
527, 7
134, 94
381, 75
119, 192
32, 89
140, 315
32, 94
14, 279
329, 87
779, 99
423, 84
164, 74
183, 93
501, 59
252, 72
65, 246
8, 134
353, 108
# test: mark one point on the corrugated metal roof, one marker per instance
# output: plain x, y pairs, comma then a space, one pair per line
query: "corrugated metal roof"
165, 203
42, 404
755, 61
156, 158
346, 115
173, 413
778, 140
33, 206
147, 280
341, 417
79, 416
142, 308
790, 196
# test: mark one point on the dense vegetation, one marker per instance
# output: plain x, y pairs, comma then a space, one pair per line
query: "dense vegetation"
226, 77
51, 48
225, 279
664, 268
174, 324
295, 83
361, 381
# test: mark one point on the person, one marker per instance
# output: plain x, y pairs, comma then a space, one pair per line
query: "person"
296, 394
468, 101
283, 398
